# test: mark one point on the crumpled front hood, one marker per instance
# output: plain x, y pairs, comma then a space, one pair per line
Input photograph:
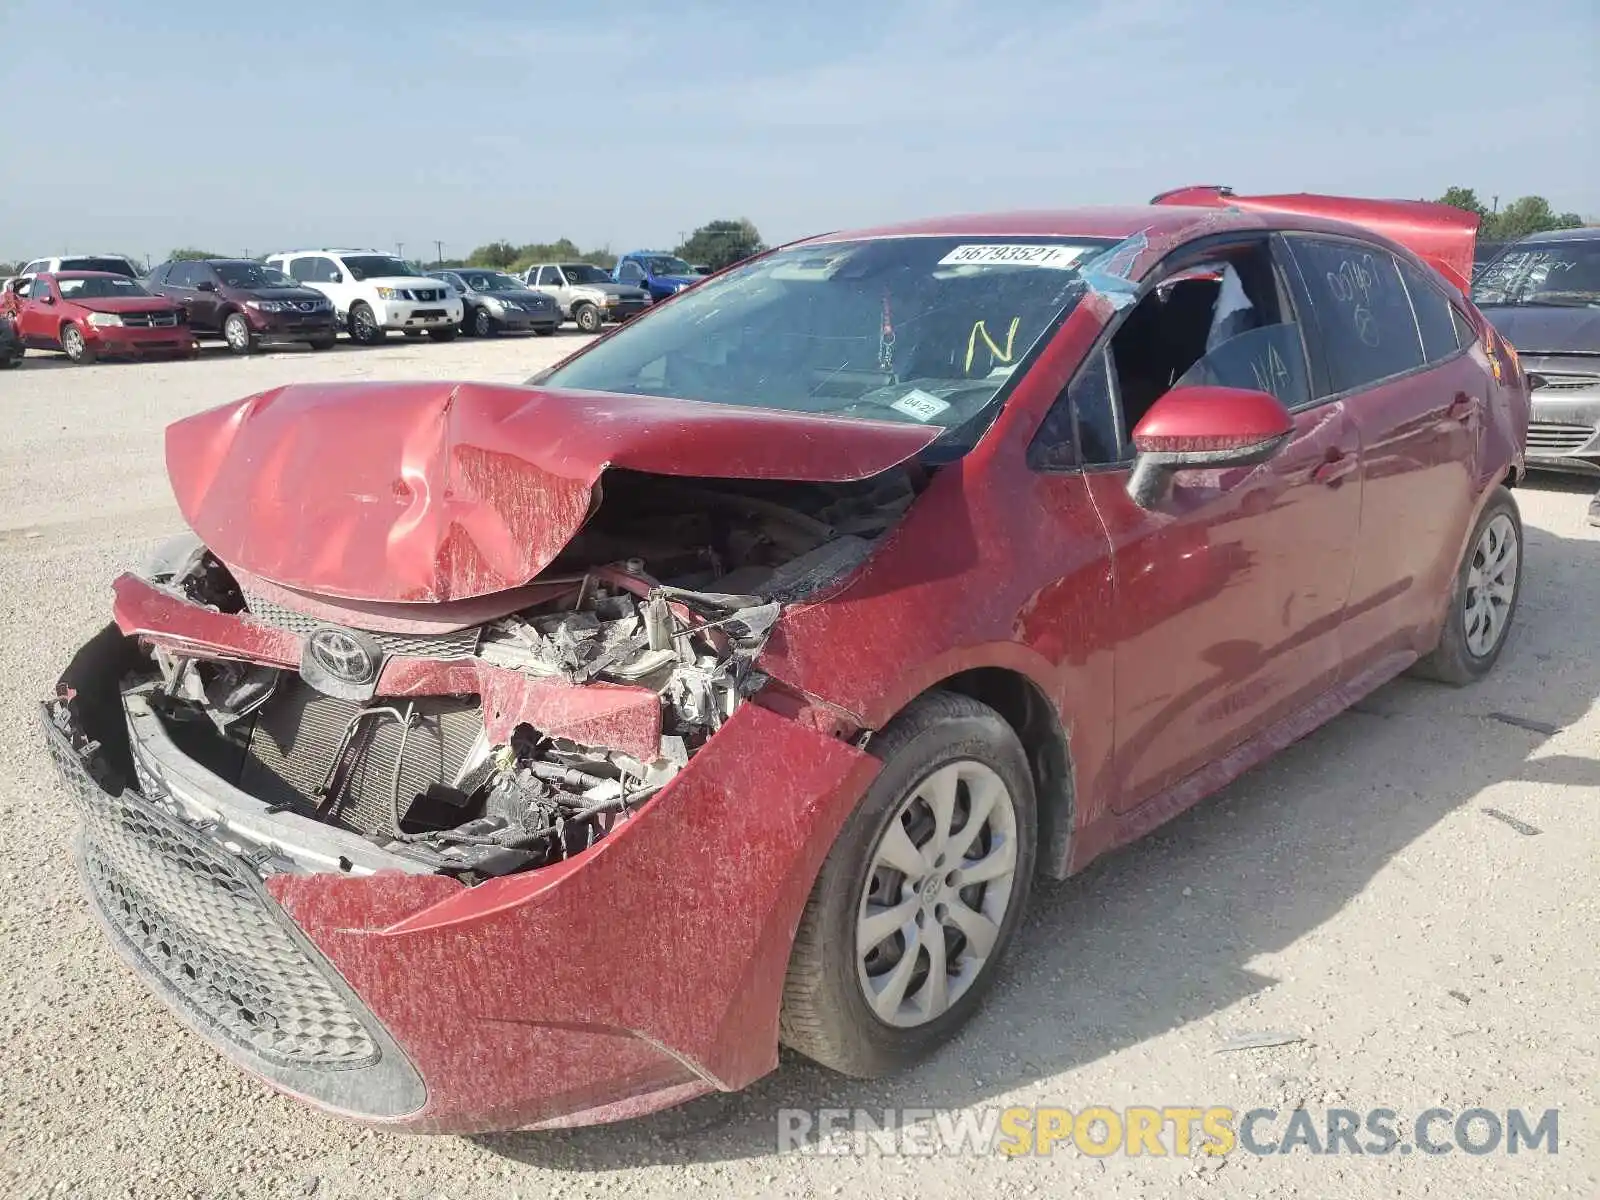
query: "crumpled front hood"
435, 491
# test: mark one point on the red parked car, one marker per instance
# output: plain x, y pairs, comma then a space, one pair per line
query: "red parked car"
86, 314
501, 757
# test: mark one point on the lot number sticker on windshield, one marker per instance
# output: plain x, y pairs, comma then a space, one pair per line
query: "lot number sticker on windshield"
1061, 258
922, 405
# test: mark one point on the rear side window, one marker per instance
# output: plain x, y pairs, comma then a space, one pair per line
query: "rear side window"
314, 269
113, 266
1433, 312
1362, 311
1465, 334
182, 275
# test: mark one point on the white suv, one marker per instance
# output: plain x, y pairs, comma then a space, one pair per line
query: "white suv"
114, 264
375, 292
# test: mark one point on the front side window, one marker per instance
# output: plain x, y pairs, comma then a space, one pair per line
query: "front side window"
630, 272
666, 264
925, 329
182, 275
1363, 314
1561, 274
580, 273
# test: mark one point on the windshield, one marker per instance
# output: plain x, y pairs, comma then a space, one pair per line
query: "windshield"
98, 287
665, 264
376, 266
116, 266
252, 275
584, 273
1565, 274
909, 329
491, 281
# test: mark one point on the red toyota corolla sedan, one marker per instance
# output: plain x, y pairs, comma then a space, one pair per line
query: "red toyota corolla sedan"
86, 314
502, 757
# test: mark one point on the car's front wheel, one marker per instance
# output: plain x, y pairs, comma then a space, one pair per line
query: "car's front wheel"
1484, 598
920, 896
483, 325
75, 346
237, 333
364, 327
324, 343
588, 317
445, 333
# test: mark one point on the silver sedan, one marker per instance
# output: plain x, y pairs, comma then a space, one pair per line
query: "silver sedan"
493, 301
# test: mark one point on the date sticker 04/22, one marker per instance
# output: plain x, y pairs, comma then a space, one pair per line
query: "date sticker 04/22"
924, 406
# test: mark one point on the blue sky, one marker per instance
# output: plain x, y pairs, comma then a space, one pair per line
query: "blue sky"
257, 126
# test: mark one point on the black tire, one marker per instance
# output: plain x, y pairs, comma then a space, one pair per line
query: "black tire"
825, 1014
546, 331
588, 317
1453, 660
324, 343
75, 345
237, 333
483, 325
364, 329
445, 333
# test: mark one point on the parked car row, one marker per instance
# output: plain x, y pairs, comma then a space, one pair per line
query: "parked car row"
312, 296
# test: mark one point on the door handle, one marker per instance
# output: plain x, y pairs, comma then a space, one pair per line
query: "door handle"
1334, 468
1462, 407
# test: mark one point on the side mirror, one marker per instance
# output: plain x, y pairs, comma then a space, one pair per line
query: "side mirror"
44, 298
205, 285
1204, 426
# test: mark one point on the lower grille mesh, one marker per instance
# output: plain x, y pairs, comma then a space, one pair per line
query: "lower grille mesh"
1557, 437
196, 918
298, 733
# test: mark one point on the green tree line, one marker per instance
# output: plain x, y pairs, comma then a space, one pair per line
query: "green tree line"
1524, 215
716, 244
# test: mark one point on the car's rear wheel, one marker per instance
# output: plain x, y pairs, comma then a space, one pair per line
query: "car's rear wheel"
75, 346
918, 900
546, 331
364, 328
323, 343
588, 317
1484, 598
483, 325
445, 333
237, 333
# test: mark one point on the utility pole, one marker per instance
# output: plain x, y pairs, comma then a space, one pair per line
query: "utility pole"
438, 253
1494, 206
400, 250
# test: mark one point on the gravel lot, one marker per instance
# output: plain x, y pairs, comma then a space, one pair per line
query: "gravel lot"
1357, 892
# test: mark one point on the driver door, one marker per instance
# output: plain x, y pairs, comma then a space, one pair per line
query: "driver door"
1230, 591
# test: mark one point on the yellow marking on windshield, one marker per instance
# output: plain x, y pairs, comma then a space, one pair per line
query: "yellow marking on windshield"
980, 329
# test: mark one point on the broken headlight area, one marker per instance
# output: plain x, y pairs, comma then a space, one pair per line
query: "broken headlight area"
663, 601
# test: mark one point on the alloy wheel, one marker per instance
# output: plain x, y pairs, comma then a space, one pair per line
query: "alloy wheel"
1491, 586
936, 893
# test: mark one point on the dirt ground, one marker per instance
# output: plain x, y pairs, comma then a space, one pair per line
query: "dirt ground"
1410, 893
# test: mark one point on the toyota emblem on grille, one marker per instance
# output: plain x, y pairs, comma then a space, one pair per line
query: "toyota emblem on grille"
343, 656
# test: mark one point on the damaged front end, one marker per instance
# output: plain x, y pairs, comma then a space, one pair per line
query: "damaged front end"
318, 735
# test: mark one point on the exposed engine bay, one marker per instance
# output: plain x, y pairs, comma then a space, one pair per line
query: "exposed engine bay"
667, 595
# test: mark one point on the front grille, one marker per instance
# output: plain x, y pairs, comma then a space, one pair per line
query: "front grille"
198, 920
427, 294
460, 643
1557, 437
308, 306
156, 320
297, 737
